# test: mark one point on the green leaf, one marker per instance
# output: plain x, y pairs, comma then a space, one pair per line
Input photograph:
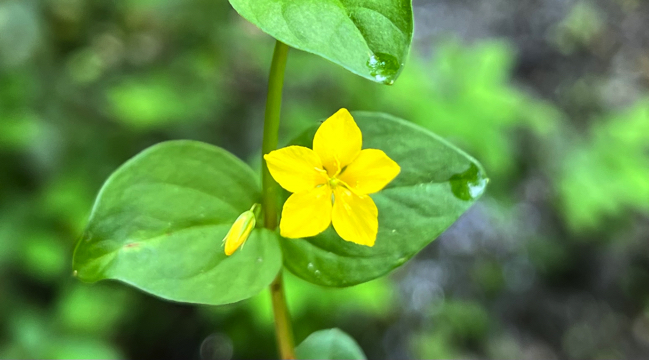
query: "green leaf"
370, 38
331, 344
437, 184
159, 221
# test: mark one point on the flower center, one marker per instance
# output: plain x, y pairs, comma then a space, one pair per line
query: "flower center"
333, 182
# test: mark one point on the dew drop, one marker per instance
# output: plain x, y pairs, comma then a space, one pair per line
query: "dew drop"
317, 273
383, 67
259, 260
310, 267
470, 184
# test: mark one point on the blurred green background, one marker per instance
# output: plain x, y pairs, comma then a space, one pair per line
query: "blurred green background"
552, 97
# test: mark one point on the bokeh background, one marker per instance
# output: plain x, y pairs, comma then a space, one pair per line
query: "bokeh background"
551, 96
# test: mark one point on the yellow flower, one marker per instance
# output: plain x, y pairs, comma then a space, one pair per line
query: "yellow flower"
240, 231
331, 183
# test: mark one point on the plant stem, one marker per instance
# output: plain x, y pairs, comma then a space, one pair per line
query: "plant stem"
283, 330
271, 128
269, 202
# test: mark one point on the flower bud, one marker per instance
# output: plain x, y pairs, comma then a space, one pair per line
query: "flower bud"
240, 231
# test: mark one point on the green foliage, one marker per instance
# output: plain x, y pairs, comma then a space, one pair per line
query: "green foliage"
489, 276
157, 101
435, 345
436, 185
313, 306
68, 198
607, 172
43, 257
92, 310
370, 38
373, 298
457, 323
332, 344
18, 131
159, 220
468, 320
465, 94
582, 25
32, 337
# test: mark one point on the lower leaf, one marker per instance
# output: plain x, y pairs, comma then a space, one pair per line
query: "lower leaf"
159, 221
331, 344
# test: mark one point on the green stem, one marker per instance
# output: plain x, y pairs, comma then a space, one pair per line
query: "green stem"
271, 128
283, 330
269, 202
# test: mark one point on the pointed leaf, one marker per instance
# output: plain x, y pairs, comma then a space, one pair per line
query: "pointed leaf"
159, 221
437, 184
370, 38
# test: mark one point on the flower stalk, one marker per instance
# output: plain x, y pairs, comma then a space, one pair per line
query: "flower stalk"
271, 130
283, 330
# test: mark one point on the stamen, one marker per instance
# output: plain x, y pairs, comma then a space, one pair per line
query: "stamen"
337, 167
351, 189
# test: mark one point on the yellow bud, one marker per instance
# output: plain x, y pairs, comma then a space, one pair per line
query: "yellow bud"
240, 231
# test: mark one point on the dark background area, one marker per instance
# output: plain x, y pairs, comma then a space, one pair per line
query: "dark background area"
551, 96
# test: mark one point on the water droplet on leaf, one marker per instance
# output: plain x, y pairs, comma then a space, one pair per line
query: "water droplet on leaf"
310, 267
470, 184
383, 67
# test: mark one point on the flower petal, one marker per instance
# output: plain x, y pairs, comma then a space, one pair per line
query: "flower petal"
296, 168
338, 141
355, 218
370, 172
306, 213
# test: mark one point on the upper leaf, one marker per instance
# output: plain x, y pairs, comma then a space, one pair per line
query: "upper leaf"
331, 344
159, 221
370, 38
436, 185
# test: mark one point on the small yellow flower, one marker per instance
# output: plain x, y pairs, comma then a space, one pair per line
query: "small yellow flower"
331, 183
240, 231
